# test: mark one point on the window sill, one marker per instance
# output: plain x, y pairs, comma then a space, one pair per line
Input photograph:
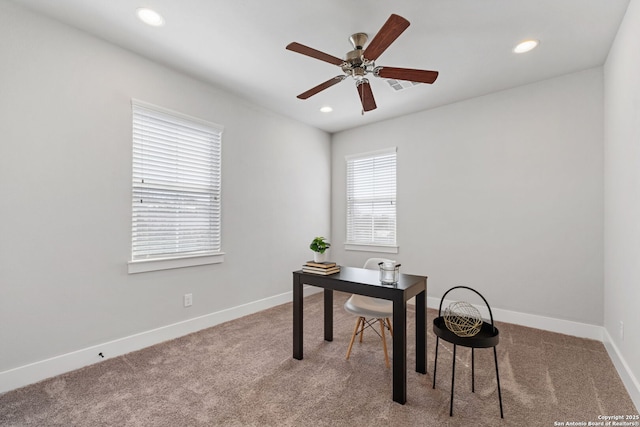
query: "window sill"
387, 249
142, 266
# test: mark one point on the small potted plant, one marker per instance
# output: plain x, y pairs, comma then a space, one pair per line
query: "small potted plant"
319, 245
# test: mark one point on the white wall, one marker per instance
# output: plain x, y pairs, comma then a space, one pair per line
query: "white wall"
622, 193
65, 189
502, 193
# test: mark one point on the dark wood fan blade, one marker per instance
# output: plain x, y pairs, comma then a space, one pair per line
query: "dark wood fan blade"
366, 95
313, 53
409, 74
390, 31
321, 87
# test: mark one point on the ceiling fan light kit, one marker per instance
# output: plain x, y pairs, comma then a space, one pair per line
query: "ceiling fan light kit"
360, 62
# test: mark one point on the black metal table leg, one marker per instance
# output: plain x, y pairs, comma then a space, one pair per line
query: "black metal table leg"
297, 318
399, 351
473, 373
495, 358
421, 332
328, 315
435, 362
453, 378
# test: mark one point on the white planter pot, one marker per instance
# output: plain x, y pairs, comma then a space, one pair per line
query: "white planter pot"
318, 257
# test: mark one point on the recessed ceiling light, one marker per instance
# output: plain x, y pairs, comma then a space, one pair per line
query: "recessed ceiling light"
526, 46
326, 109
150, 17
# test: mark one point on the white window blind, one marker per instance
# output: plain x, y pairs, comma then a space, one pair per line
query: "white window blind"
371, 198
176, 185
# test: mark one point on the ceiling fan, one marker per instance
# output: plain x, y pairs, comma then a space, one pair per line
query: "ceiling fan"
358, 62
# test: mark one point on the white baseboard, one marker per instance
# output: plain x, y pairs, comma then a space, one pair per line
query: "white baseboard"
630, 381
38, 371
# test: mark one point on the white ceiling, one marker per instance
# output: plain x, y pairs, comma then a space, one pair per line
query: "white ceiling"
239, 45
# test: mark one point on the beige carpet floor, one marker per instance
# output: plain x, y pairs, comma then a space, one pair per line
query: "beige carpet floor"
241, 373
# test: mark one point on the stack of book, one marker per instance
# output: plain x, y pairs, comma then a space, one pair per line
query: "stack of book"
324, 268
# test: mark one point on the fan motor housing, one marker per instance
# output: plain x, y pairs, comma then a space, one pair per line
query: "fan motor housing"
358, 72
354, 57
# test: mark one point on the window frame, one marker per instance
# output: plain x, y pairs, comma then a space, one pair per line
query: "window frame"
178, 260
371, 246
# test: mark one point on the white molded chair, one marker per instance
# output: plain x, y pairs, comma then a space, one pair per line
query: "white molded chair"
372, 308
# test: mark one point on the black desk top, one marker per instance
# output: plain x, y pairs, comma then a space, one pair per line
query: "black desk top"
351, 276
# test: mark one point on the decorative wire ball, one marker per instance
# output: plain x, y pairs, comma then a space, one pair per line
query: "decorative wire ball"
463, 319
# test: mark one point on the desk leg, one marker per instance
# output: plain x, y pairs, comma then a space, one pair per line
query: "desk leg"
421, 333
400, 351
328, 315
297, 318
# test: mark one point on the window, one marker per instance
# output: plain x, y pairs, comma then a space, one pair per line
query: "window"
176, 202
371, 201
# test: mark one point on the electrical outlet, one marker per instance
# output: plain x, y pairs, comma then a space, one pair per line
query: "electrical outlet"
188, 300
622, 330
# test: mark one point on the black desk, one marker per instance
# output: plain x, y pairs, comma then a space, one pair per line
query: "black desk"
367, 282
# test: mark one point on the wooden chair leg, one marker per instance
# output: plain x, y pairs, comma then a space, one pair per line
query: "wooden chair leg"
362, 329
353, 337
390, 327
384, 343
